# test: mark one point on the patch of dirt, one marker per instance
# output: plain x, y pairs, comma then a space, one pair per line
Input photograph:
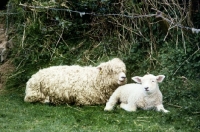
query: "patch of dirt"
2, 33
5, 70
6, 67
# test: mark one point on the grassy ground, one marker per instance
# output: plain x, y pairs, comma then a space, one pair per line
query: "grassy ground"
15, 115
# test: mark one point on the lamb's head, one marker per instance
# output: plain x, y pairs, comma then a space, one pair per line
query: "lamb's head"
149, 82
114, 69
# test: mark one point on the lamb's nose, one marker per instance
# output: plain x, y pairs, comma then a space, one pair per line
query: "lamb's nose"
146, 88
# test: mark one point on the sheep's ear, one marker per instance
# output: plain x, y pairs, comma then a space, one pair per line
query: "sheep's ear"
137, 79
99, 68
160, 78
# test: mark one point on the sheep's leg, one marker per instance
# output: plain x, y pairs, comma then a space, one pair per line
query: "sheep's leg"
46, 100
128, 107
111, 103
161, 108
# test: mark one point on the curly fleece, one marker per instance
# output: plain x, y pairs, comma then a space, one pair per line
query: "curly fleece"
75, 84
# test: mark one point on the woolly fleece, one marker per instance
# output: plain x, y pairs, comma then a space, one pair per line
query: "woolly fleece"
75, 84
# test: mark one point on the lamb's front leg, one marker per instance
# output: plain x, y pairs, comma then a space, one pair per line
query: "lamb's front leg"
128, 107
161, 108
111, 103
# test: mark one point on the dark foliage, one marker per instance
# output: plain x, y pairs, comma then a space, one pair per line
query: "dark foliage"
3, 4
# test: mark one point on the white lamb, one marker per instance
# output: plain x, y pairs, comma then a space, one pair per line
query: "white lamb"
145, 95
75, 84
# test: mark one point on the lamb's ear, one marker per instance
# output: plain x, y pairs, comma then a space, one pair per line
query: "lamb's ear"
160, 78
137, 79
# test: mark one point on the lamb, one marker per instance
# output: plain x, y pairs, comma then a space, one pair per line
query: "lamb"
132, 96
76, 85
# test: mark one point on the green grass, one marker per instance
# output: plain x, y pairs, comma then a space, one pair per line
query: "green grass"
16, 115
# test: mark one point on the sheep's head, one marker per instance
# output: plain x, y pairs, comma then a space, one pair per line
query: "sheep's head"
114, 69
121, 78
149, 82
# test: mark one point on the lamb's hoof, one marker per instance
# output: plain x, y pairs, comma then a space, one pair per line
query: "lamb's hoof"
108, 109
166, 111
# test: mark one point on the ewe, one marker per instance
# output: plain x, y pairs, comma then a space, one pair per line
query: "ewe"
145, 95
75, 84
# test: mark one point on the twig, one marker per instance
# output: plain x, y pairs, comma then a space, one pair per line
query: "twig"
60, 36
16, 74
195, 112
23, 38
144, 117
74, 108
143, 120
187, 59
84, 13
160, 14
89, 59
174, 105
184, 78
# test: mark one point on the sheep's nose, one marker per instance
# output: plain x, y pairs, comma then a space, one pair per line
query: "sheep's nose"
146, 88
123, 77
